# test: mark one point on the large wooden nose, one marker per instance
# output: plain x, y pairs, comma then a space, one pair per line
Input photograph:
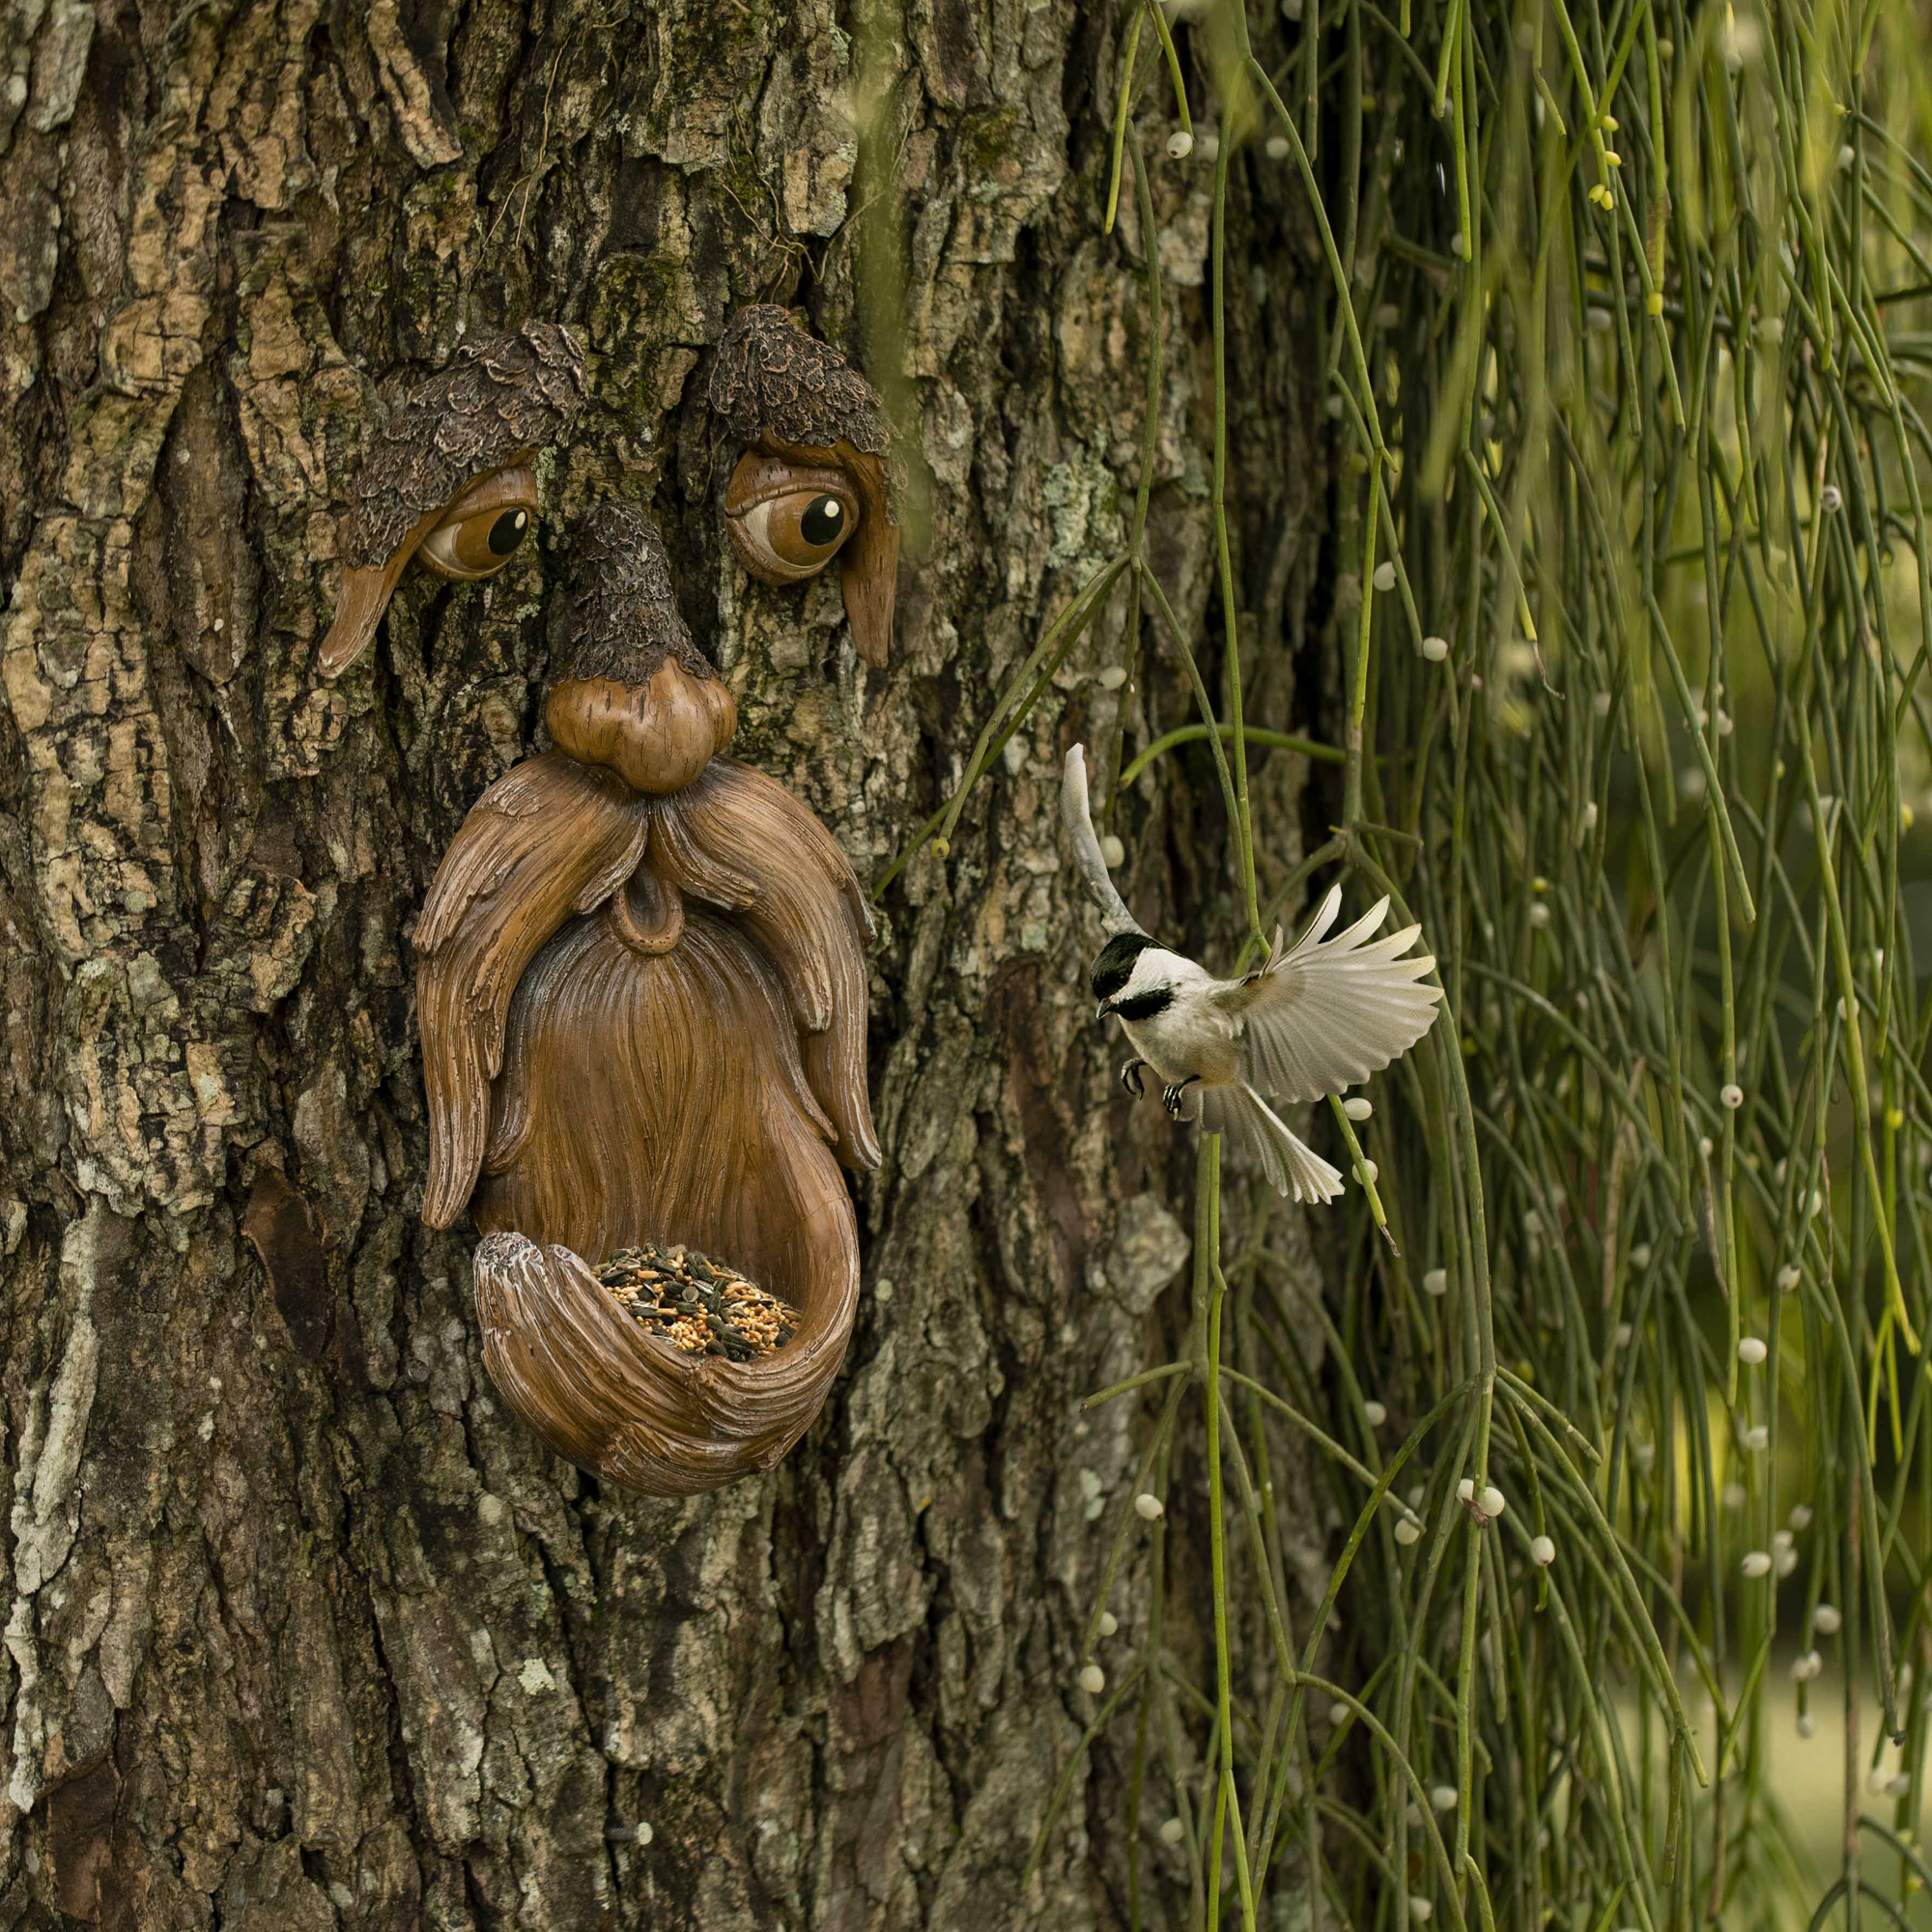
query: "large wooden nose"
657, 736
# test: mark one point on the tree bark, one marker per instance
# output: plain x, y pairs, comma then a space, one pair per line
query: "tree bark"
304, 1631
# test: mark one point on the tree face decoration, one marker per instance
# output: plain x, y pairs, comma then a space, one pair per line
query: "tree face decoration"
448, 480
642, 995
812, 482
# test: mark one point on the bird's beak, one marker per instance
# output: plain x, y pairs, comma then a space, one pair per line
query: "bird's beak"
1105, 1008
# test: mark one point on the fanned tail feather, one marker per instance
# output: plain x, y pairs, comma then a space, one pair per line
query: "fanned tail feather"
1253, 1127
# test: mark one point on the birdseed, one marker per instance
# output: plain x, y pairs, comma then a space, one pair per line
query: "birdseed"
698, 1304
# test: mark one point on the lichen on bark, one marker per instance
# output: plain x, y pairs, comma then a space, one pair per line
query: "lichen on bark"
302, 1630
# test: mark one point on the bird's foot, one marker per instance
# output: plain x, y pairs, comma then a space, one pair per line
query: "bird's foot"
1130, 1077
1174, 1096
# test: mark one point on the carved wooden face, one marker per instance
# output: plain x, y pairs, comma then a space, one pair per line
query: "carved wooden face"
640, 968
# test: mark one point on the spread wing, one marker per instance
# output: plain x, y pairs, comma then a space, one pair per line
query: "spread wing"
1325, 1014
550, 839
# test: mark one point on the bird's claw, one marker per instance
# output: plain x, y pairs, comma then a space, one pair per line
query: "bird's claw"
1130, 1077
1174, 1097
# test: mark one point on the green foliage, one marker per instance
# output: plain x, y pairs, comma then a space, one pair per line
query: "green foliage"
1625, 326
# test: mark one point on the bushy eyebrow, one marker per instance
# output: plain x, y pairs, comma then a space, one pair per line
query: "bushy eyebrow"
500, 399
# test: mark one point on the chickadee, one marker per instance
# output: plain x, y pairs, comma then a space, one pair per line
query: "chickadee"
1310, 1021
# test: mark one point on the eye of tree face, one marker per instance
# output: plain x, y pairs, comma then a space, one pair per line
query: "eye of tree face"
795, 533
812, 476
477, 539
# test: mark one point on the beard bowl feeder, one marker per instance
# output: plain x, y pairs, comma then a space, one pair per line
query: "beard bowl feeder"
642, 992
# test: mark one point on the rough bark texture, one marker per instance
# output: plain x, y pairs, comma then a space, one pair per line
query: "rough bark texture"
303, 1630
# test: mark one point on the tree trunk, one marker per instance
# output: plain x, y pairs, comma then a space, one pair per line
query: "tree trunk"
305, 1630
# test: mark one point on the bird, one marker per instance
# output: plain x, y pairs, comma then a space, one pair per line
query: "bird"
1313, 1019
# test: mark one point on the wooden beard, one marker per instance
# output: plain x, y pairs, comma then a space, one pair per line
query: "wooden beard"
642, 992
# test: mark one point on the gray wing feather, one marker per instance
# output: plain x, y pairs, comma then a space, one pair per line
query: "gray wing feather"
1326, 1014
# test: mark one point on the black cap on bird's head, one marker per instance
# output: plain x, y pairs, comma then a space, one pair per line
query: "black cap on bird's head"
1114, 967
